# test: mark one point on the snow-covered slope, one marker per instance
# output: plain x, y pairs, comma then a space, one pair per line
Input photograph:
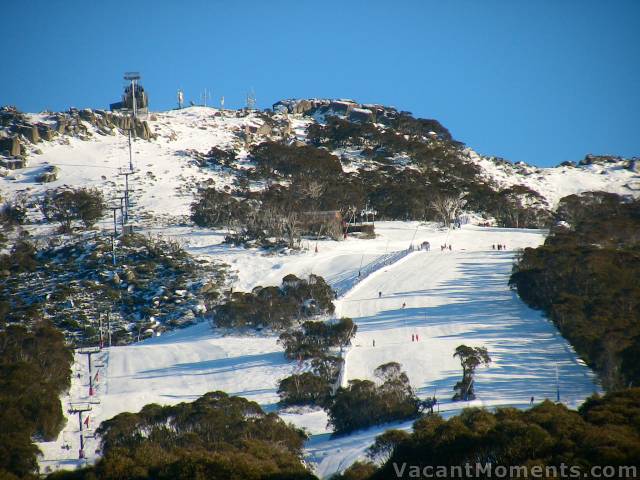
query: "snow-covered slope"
557, 182
167, 173
452, 297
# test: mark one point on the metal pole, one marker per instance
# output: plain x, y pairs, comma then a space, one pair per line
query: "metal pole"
130, 154
109, 326
133, 96
126, 198
81, 452
90, 377
557, 385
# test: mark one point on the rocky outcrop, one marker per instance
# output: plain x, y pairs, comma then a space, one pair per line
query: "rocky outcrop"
13, 163
50, 174
74, 123
361, 115
30, 132
10, 146
300, 107
346, 108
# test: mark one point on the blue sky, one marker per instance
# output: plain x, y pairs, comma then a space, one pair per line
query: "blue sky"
541, 81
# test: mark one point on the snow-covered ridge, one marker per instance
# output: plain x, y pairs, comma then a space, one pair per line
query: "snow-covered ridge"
614, 174
166, 174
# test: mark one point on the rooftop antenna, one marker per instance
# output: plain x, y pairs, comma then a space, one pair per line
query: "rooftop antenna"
133, 77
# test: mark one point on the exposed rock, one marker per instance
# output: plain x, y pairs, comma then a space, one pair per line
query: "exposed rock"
88, 116
46, 132
142, 129
61, 125
362, 115
11, 145
30, 132
49, 175
15, 163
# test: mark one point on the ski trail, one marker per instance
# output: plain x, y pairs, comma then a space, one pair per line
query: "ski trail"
452, 298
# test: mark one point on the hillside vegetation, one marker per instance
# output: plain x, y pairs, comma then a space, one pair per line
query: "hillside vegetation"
35, 368
215, 437
586, 277
603, 432
74, 283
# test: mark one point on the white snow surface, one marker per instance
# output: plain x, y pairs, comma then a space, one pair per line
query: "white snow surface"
452, 297
167, 176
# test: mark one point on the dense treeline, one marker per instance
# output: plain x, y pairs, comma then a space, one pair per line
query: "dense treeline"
215, 437
315, 338
586, 277
276, 307
409, 164
35, 368
603, 432
312, 342
364, 403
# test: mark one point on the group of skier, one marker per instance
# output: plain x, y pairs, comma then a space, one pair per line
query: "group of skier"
500, 246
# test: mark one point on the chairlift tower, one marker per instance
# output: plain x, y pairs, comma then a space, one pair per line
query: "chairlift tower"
133, 77
115, 208
88, 353
80, 410
127, 199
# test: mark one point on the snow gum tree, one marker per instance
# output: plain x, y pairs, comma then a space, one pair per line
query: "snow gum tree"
447, 207
470, 359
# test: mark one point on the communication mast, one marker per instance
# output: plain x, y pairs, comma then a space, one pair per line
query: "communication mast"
251, 100
180, 98
205, 95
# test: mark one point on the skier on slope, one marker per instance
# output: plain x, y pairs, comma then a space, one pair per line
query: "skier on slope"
379, 294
